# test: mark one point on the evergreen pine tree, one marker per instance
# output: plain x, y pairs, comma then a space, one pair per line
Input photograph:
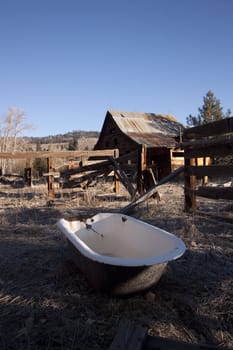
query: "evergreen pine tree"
210, 111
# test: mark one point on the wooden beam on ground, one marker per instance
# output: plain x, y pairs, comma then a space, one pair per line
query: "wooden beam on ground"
129, 337
135, 337
160, 343
152, 191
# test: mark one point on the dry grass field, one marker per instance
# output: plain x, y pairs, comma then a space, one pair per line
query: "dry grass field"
46, 303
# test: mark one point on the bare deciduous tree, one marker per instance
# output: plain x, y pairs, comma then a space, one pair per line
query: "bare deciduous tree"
11, 127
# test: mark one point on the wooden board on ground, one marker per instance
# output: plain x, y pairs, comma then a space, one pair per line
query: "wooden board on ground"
130, 337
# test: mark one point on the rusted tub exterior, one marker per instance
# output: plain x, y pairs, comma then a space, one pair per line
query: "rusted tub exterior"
116, 280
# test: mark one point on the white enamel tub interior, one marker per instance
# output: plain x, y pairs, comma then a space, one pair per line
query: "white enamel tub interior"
120, 240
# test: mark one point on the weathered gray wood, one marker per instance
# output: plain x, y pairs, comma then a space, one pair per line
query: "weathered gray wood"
198, 144
189, 187
210, 151
50, 179
212, 129
98, 168
90, 167
86, 177
123, 177
152, 191
159, 343
95, 166
128, 337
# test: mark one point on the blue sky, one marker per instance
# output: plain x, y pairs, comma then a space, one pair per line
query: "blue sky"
66, 62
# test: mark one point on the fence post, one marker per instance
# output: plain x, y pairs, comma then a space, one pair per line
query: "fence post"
51, 194
116, 178
141, 167
28, 173
189, 187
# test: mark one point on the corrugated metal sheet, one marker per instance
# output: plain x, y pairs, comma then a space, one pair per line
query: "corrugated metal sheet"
154, 130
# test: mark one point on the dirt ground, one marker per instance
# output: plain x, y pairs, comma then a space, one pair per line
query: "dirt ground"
46, 302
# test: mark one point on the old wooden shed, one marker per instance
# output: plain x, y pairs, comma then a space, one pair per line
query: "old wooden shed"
154, 137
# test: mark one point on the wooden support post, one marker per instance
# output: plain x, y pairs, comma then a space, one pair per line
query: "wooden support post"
141, 168
50, 180
116, 177
28, 173
189, 187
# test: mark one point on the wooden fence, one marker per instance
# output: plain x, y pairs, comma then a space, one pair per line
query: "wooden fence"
51, 156
82, 168
214, 141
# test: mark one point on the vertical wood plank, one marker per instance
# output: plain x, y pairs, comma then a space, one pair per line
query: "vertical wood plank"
28, 173
142, 161
51, 194
116, 177
189, 187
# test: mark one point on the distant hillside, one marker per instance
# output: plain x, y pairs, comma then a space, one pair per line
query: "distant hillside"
73, 140
61, 138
